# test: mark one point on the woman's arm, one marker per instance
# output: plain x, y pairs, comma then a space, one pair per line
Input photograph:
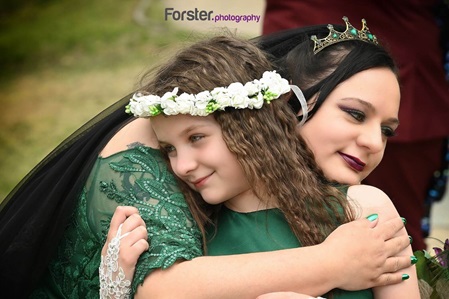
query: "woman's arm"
372, 200
251, 275
312, 270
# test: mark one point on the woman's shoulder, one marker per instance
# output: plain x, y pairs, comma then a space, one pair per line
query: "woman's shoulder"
138, 131
371, 200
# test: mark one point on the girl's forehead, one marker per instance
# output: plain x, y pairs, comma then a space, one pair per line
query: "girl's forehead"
181, 123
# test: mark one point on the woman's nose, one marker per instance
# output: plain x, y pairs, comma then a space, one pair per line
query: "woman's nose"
372, 139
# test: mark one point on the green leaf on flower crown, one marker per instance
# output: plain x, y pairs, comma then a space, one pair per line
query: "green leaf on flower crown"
155, 110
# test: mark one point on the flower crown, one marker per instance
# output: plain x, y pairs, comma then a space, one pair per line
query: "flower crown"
252, 95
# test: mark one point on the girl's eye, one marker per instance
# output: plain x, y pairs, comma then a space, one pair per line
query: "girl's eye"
356, 114
195, 138
168, 149
388, 132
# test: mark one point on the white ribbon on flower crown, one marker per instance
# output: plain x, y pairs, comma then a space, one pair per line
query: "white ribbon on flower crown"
302, 101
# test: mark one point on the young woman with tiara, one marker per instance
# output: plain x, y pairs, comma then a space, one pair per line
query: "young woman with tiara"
230, 157
54, 223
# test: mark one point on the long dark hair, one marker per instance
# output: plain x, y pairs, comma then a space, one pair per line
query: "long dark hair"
319, 74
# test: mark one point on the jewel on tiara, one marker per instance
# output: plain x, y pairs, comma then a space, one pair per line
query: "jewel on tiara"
349, 34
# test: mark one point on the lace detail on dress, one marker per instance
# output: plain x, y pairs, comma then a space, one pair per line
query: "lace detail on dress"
146, 183
73, 272
113, 283
137, 177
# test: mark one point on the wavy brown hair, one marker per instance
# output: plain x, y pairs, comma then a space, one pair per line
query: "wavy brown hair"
275, 160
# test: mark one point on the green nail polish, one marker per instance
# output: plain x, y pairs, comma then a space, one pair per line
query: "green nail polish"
405, 276
414, 259
411, 239
372, 217
404, 220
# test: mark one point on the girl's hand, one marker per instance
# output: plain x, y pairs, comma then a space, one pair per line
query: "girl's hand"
126, 241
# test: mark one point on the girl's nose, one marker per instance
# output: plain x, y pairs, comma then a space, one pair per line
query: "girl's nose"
184, 163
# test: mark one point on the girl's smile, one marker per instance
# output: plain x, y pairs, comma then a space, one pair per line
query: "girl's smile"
199, 156
201, 182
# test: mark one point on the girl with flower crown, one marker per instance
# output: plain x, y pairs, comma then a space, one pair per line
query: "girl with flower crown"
54, 224
251, 182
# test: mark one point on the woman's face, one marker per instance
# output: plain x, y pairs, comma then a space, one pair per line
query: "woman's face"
199, 156
349, 132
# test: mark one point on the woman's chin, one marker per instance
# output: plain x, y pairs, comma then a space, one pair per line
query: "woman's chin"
348, 180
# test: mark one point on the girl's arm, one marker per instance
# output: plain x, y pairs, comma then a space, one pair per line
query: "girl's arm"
129, 235
313, 270
370, 200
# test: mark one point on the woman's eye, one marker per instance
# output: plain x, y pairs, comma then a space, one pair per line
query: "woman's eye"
388, 132
356, 114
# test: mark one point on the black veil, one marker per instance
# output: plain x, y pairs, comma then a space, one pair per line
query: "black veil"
35, 213
277, 45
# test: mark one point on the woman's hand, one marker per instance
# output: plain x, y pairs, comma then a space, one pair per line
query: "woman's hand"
368, 249
126, 241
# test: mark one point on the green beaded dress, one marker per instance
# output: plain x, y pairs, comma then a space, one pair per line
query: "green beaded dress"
138, 177
259, 231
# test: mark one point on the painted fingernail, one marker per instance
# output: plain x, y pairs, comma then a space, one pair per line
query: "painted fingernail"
405, 276
372, 217
404, 220
411, 239
414, 259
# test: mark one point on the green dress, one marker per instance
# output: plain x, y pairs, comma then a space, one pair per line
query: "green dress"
264, 230
138, 177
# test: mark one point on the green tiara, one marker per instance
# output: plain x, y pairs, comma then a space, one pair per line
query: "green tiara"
350, 33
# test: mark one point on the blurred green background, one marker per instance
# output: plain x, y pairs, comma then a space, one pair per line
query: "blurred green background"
64, 61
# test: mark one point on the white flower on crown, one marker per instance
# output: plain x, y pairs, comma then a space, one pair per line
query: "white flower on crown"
273, 84
183, 104
256, 97
220, 95
251, 95
238, 95
202, 99
253, 87
140, 104
170, 95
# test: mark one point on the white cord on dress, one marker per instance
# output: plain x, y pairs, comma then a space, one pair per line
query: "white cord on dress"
113, 283
302, 100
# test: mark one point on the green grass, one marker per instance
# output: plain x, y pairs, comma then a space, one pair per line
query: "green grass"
62, 63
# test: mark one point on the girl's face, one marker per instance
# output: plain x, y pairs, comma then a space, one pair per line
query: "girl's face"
199, 156
349, 132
